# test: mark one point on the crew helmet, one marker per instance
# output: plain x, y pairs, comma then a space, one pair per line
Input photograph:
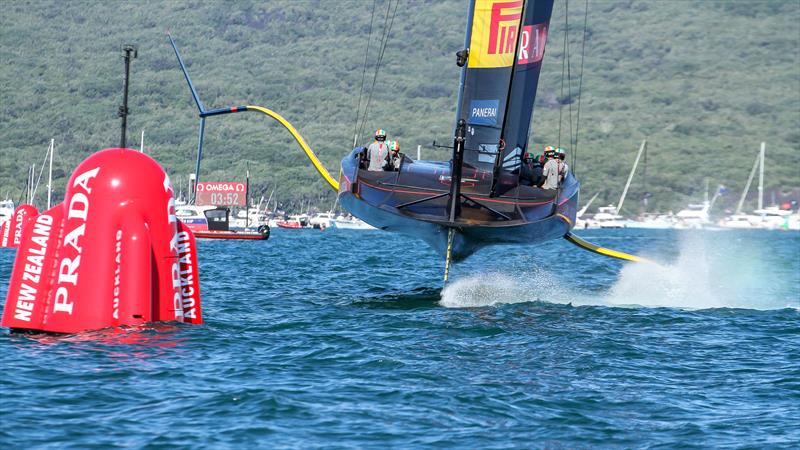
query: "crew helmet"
561, 153
380, 135
394, 146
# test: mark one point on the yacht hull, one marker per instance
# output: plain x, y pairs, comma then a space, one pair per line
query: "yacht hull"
410, 203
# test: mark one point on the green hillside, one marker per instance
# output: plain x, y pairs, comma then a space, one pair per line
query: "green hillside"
704, 82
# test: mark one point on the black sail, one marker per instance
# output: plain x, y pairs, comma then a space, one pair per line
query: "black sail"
506, 45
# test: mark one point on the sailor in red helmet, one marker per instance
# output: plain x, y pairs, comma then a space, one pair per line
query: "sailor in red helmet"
378, 152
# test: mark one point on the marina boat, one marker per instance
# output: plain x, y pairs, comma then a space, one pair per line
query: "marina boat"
218, 227
322, 220
768, 218
6, 210
193, 216
773, 218
694, 217
292, 224
741, 222
255, 219
653, 222
351, 223
608, 216
295, 222
212, 222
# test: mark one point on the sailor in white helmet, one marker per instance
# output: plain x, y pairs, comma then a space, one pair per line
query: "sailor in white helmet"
378, 151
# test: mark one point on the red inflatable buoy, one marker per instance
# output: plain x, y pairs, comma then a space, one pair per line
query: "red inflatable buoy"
111, 254
11, 231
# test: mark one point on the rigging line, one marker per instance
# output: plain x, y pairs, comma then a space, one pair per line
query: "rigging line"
384, 43
381, 43
580, 87
364, 72
569, 79
563, 67
380, 59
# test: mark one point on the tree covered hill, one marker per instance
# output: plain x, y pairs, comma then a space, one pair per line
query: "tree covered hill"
704, 81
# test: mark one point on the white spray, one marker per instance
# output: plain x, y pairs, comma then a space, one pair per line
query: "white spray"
715, 273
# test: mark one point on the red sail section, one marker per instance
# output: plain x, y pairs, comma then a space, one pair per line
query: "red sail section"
112, 254
11, 232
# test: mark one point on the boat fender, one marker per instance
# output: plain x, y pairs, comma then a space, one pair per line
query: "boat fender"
11, 232
264, 231
113, 253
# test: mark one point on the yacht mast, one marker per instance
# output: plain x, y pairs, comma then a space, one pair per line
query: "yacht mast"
747, 185
761, 177
630, 176
50, 172
461, 60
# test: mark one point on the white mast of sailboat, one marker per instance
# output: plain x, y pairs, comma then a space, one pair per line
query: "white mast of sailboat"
35, 186
630, 176
582, 211
761, 177
270, 199
747, 185
50, 172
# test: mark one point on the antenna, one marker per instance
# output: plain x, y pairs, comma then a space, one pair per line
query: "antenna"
127, 49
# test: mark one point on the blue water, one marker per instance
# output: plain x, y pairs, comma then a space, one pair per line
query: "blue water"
344, 339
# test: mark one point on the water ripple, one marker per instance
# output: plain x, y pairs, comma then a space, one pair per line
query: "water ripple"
338, 340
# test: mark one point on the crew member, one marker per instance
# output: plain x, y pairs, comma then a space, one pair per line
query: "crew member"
552, 170
531, 172
395, 158
378, 151
564, 169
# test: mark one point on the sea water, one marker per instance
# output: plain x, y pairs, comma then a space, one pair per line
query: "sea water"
346, 339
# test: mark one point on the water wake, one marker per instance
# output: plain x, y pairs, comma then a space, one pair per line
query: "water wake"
494, 288
708, 273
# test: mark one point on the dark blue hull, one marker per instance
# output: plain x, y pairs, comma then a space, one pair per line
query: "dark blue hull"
413, 201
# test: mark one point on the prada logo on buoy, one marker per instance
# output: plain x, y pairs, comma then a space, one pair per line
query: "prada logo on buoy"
75, 228
20, 221
32, 269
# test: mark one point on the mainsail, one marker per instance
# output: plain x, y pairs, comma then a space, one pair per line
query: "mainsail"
506, 42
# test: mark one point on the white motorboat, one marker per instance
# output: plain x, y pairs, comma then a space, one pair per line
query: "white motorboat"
6, 210
694, 217
653, 222
351, 223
